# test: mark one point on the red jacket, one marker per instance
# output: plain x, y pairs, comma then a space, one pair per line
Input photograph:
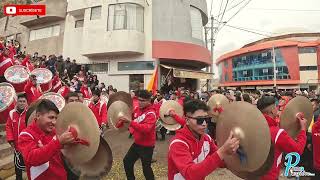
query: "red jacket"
15, 124
64, 91
143, 127
33, 92
190, 158
5, 63
180, 120
56, 84
283, 144
42, 154
316, 145
100, 111
27, 63
86, 92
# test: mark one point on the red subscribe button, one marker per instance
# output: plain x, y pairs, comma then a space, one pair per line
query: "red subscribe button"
24, 10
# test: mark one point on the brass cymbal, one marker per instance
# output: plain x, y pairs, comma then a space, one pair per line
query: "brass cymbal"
120, 96
80, 117
288, 119
170, 127
164, 109
116, 110
249, 125
215, 103
99, 166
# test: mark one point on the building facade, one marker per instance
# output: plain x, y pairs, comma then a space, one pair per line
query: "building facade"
297, 62
122, 41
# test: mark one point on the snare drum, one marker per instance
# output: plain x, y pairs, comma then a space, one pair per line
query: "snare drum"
44, 78
7, 101
56, 98
18, 76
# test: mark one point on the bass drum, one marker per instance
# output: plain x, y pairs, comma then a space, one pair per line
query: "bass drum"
8, 100
17, 76
56, 98
44, 78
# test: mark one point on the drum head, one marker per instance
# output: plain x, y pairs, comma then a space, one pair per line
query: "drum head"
43, 75
17, 74
7, 95
56, 98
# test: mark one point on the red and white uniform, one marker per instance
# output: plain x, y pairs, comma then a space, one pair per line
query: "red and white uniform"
64, 91
33, 92
86, 92
283, 144
157, 106
42, 154
56, 84
143, 128
316, 145
190, 158
5, 63
14, 125
100, 111
26, 63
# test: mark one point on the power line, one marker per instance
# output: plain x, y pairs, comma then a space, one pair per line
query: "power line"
242, 29
220, 7
232, 7
295, 10
224, 10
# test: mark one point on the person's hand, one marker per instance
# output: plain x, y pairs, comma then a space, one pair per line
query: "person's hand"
124, 119
66, 138
303, 123
171, 112
229, 147
12, 144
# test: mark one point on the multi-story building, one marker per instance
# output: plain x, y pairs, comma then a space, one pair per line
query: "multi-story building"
122, 41
297, 62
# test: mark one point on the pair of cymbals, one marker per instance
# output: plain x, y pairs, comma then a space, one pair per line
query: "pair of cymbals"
216, 105
255, 155
120, 105
288, 117
90, 160
167, 121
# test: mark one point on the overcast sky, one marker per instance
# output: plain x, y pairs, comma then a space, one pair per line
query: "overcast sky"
258, 16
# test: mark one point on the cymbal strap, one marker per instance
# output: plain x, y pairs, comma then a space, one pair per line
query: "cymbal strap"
218, 109
78, 140
242, 155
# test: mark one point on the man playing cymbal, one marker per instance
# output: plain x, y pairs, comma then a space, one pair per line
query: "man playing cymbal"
279, 137
192, 153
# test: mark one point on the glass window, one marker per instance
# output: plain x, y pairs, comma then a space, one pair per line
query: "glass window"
225, 64
44, 32
308, 68
226, 77
307, 50
95, 13
126, 16
79, 23
136, 81
101, 67
137, 65
196, 23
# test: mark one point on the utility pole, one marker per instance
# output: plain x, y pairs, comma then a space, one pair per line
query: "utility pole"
212, 40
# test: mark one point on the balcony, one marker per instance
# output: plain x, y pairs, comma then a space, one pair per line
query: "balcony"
258, 65
55, 11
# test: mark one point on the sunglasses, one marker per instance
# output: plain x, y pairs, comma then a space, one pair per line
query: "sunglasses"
201, 119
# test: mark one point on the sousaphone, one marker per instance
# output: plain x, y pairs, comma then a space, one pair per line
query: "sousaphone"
117, 110
80, 120
288, 118
253, 158
216, 105
167, 121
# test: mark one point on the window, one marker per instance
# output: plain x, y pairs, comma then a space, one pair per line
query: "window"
79, 23
136, 81
44, 32
95, 13
226, 77
308, 68
125, 16
226, 64
303, 50
101, 67
137, 65
196, 23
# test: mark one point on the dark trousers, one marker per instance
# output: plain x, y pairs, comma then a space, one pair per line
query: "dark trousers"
18, 173
163, 132
145, 154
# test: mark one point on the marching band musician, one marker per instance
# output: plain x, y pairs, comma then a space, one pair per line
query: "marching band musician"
41, 148
56, 82
280, 138
99, 109
192, 153
143, 130
85, 91
5, 62
14, 125
26, 62
32, 89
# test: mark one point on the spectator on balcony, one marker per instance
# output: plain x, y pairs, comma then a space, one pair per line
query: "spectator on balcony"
51, 63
